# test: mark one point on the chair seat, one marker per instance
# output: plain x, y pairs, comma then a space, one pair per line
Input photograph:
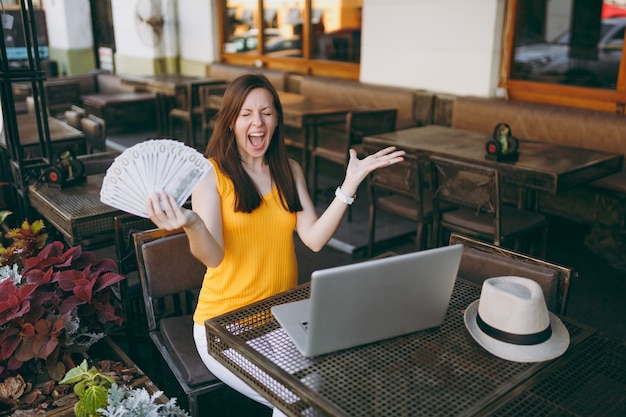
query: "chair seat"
335, 155
185, 114
177, 335
514, 220
181, 114
404, 206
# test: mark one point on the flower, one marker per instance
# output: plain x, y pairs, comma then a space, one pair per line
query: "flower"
52, 302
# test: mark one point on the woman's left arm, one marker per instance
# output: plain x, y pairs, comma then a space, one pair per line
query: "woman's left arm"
316, 231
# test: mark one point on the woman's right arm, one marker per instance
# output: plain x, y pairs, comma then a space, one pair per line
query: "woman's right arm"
203, 224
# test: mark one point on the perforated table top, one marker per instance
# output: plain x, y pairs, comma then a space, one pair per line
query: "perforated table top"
436, 372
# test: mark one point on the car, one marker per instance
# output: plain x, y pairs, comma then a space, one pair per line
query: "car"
280, 46
248, 40
551, 61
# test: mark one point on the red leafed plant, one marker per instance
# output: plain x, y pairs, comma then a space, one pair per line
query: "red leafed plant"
52, 302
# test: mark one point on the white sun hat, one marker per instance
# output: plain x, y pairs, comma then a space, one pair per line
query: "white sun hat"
512, 321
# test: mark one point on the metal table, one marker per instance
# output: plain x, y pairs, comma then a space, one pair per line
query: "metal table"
541, 166
441, 371
76, 211
62, 135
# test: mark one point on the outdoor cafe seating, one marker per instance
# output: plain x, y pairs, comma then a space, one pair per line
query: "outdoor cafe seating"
480, 211
334, 148
438, 372
190, 109
402, 190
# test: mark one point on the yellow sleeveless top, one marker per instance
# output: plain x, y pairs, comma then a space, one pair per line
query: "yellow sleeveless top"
259, 254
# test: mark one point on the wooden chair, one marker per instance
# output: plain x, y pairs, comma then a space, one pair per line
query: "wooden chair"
94, 129
60, 96
208, 112
482, 260
359, 123
400, 190
73, 116
480, 213
167, 271
97, 163
188, 110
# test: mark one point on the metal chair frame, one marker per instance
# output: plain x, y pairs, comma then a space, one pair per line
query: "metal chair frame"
358, 123
480, 212
399, 189
130, 293
159, 284
564, 274
188, 110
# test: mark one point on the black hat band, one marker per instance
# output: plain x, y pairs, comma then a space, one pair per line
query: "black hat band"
516, 339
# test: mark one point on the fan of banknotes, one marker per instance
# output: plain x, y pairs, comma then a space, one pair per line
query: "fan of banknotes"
152, 165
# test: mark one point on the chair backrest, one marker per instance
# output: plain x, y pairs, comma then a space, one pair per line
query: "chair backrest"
405, 178
193, 98
125, 226
464, 184
467, 185
482, 260
167, 269
97, 163
360, 123
94, 129
73, 116
204, 94
60, 96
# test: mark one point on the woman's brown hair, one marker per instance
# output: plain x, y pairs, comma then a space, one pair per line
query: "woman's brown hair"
222, 148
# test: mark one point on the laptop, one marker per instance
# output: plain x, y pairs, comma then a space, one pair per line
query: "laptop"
365, 302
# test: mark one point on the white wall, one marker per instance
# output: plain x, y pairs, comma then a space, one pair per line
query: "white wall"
69, 24
131, 34
447, 46
197, 30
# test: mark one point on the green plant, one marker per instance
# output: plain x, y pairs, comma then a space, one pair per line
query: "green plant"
90, 386
137, 402
99, 394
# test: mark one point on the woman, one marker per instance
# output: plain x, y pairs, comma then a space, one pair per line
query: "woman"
246, 209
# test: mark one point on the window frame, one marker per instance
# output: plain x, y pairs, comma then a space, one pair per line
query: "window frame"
571, 96
304, 65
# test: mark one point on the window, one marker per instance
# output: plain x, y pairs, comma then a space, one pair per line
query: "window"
311, 36
568, 52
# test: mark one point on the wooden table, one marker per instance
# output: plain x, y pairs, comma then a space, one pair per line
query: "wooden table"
306, 113
541, 166
165, 84
76, 211
441, 371
62, 135
167, 87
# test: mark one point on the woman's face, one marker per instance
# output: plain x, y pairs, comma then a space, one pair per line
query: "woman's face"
255, 124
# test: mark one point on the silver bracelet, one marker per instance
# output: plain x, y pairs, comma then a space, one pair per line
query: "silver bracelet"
344, 198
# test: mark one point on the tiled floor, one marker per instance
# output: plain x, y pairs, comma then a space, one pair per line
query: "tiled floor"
597, 295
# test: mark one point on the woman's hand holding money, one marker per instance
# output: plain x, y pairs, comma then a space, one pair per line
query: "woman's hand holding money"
167, 214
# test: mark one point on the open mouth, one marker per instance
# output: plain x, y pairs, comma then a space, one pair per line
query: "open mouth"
256, 140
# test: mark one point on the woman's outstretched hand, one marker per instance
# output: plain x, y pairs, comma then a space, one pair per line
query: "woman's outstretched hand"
359, 169
167, 214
